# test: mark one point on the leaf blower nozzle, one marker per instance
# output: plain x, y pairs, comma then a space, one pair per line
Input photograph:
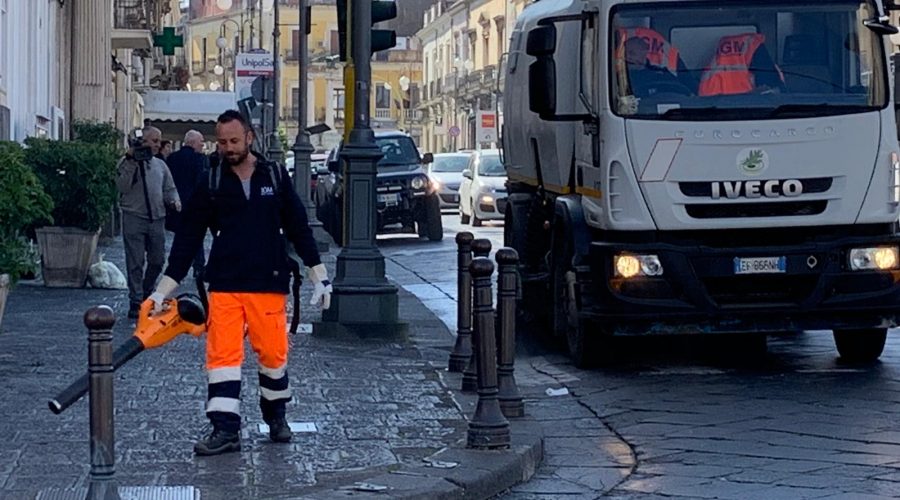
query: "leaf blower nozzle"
182, 315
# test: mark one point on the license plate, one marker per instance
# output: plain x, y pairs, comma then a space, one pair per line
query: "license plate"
389, 199
760, 265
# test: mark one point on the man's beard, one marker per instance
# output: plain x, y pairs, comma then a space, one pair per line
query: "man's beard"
237, 158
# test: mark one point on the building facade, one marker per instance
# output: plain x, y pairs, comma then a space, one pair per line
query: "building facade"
464, 48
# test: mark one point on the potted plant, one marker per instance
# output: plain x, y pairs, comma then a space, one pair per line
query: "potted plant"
79, 177
23, 202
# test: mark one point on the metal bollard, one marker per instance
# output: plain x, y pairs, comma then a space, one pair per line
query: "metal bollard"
488, 428
481, 248
510, 400
462, 350
99, 321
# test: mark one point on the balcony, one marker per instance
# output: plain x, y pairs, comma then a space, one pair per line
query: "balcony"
132, 24
382, 114
412, 115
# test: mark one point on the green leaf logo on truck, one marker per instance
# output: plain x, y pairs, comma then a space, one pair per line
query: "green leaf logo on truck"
752, 161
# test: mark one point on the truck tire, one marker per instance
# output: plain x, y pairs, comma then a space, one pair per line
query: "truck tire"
434, 227
581, 335
864, 345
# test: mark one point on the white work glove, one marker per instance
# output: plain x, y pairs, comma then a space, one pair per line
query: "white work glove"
322, 291
165, 288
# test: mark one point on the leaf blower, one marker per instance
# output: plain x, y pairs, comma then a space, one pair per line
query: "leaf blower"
184, 314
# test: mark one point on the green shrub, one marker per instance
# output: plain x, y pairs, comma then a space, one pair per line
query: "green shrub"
100, 133
79, 177
23, 203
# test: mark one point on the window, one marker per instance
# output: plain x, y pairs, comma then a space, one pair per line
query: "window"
486, 45
295, 46
337, 103
295, 102
203, 49
382, 97
414, 97
335, 42
499, 40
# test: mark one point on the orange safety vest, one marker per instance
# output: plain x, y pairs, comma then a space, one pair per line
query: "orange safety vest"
660, 52
729, 71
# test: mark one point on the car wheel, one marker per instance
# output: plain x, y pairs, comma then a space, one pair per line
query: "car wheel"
864, 345
433, 224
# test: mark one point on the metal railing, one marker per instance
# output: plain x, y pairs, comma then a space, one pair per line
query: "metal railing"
383, 113
132, 14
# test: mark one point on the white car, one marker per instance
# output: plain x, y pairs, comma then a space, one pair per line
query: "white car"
482, 194
446, 171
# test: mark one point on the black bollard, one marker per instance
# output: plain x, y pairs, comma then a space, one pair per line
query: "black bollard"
462, 350
510, 399
488, 428
99, 321
481, 248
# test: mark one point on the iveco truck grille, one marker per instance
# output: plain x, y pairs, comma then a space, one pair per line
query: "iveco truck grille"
763, 209
704, 189
749, 290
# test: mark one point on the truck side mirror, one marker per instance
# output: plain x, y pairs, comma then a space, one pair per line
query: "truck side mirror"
541, 44
427, 158
467, 173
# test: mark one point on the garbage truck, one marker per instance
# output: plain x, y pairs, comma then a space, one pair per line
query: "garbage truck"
704, 167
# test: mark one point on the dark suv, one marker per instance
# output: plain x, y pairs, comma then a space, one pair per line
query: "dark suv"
405, 193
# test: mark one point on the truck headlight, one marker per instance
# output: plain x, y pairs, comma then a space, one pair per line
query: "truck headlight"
629, 265
881, 258
419, 182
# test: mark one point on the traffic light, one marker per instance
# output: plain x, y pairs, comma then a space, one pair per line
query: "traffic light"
382, 10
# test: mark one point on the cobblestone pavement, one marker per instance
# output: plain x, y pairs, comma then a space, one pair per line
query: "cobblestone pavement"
375, 405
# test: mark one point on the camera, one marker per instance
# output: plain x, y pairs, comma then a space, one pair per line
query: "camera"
138, 151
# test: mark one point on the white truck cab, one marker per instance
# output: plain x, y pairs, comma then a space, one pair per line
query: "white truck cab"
705, 167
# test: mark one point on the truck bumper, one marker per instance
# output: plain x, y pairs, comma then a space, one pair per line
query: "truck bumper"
700, 291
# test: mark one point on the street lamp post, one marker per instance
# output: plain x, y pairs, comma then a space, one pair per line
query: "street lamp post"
276, 153
302, 147
364, 302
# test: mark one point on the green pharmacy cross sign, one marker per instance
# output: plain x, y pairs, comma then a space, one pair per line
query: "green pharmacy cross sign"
168, 41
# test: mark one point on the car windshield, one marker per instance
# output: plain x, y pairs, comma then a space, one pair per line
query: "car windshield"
490, 166
399, 150
454, 163
750, 60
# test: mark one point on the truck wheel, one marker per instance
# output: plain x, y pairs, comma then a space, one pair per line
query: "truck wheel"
580, 334
864, 345
433, 218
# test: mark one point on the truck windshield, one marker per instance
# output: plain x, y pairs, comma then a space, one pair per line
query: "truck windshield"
756, 60
400, 150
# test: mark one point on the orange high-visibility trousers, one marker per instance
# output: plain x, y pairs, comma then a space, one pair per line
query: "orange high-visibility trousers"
265, 317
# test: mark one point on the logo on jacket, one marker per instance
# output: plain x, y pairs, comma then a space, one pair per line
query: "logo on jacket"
267, 191
752, 161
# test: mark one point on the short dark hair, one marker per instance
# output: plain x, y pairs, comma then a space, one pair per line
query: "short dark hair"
233, 115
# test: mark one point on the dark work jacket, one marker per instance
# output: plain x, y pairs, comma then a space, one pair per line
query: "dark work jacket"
248, 252
188, 169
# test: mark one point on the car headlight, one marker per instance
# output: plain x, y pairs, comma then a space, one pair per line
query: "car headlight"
881, 258
419, 182
630, 266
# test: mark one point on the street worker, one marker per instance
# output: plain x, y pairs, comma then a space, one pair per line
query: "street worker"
252, 210
145, 188
741, 65
646, 79
189, 167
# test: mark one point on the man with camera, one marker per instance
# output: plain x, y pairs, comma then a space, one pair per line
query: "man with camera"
145, 187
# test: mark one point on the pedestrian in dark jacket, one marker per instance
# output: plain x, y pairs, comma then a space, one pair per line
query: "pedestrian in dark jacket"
189, 167
252, 210
145, 189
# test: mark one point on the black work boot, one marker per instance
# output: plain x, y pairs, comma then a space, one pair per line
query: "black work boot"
217, 442
134, 310
280, 431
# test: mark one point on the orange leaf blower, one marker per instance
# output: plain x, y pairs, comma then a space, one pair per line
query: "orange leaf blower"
182, 315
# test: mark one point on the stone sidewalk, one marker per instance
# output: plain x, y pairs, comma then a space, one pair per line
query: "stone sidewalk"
381, 414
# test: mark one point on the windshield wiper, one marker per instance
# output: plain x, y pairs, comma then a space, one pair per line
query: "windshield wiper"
820, 109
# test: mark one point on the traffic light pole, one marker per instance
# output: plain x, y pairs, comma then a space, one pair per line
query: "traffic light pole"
302, 147
364, 303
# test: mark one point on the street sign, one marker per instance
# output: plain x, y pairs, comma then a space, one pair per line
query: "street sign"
454, 131
247, 68
486, 126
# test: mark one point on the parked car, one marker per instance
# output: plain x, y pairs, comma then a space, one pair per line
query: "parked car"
405, 193
482, 194
318, 168
446, 170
